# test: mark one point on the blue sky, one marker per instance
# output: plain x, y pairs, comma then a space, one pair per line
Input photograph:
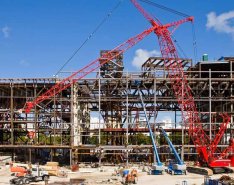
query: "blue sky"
37, 37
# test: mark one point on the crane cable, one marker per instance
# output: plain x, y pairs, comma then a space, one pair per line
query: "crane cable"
90, 36
179, 47
180, 14
165, 8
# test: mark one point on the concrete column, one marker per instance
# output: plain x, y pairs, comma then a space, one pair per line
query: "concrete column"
75, 127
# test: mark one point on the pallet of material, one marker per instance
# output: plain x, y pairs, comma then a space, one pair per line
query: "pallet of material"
52, 163
52, 170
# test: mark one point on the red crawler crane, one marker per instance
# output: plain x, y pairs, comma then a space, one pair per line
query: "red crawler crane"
205, 148
179, 83
67, 82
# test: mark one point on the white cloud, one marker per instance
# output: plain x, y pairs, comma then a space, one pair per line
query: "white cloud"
141, 55
168, 122
222, 23
6, 32
24, 63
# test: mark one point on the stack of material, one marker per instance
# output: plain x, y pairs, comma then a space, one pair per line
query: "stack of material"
77, 181
226, 180
52, 168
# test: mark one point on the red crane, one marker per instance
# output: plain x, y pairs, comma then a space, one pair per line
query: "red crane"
67, 82
205, 148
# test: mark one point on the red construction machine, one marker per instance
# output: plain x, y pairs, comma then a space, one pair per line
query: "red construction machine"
208, 150
20, 171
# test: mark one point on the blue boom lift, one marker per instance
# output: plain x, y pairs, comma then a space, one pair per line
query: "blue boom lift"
176, 166
157, 168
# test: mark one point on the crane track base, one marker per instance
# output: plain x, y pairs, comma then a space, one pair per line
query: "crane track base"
219, 170
199, 170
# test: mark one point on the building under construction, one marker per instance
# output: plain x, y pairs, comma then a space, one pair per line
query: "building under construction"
100, 117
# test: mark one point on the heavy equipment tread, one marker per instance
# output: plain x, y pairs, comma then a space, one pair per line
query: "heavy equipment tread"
229, 169
219, 170
199, 170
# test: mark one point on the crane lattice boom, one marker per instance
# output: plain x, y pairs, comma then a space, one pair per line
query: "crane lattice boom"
183, 93
176, 74
67, 82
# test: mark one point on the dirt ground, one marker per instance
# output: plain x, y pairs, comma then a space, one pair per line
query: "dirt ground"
107, 176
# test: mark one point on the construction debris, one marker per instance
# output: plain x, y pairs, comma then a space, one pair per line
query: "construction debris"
223, 180
226, 180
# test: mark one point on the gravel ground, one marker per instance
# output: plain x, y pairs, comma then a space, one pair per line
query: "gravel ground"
105, 176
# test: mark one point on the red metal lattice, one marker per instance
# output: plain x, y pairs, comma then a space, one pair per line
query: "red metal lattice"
67, 82
182, 91
178, 79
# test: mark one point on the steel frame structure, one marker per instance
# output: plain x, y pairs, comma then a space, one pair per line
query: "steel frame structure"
119, 106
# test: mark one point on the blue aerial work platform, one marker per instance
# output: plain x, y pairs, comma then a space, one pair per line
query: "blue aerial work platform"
176, 166
157, 168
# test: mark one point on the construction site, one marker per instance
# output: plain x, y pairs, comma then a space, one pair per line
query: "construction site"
105, 118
